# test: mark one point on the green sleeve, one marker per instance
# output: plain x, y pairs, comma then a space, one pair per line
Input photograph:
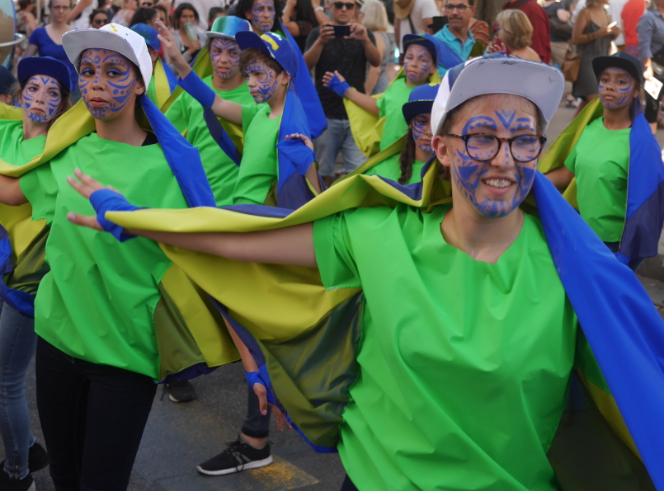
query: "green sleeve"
178, 113
41, 190
381, 106
249, 111
333, 254
570, 161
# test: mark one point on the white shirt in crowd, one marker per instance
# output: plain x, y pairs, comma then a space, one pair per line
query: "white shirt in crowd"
422, 9
615, 11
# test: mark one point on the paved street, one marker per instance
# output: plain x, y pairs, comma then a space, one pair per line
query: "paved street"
180, 436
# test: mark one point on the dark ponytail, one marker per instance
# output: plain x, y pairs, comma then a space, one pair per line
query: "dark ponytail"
407, 157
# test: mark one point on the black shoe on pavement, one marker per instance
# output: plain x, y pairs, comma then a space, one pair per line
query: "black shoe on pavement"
37, 458
181, 391
7, 484
239, 456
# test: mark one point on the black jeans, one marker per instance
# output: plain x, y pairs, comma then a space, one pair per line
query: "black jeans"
255, 424
93, 417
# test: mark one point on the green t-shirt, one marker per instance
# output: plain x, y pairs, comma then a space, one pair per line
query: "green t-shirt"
390, 106
259, 169
187, 114
14, 150
97, 303
390, 168
600, 162
464, 365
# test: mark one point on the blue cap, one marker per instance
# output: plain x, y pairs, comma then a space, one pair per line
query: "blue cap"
227, 27
409, 39
621, 59
149, 34
420, 100
272, 44
6, 80
44, 65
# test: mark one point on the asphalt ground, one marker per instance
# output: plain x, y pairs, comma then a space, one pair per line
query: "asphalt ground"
180, 436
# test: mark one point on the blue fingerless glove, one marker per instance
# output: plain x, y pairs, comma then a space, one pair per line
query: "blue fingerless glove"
106, 200
260, 377
198, 89
338, 86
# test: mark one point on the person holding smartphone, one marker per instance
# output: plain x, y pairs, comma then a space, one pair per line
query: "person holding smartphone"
348, 52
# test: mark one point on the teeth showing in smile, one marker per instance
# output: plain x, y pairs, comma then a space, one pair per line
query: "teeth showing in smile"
498, 183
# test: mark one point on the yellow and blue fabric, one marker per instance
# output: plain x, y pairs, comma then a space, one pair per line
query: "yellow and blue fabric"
308, 337
645, 181
163, 81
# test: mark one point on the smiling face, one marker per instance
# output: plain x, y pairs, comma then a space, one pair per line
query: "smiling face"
261, 16
496, 187
262, 81
617, 89
108, 83
41, 98
417, 65
225, 57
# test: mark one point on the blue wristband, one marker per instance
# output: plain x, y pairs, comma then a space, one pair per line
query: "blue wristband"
106, 200
198, 89
338, 86
260, 377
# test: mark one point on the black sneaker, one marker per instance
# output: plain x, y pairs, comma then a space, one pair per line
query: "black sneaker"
181, 391
239, 456
37, 460
7, 484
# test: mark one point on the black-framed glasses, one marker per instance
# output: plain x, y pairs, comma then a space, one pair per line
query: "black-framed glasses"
340, 5
461, 8
524, 148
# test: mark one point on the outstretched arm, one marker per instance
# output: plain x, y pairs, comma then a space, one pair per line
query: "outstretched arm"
190, 81
336, 82
10, 191
290, 246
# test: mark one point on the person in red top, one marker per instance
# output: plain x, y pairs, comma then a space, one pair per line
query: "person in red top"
631, 13
541, 27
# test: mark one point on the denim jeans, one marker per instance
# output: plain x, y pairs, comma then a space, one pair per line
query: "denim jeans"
93, 417
337, 137
17, 347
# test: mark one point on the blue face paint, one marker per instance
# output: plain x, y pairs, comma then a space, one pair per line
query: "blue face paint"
106, 82
417, 63
263, 81
41, 98
225, 57
262, 16
470, 176
616, 88
422, 132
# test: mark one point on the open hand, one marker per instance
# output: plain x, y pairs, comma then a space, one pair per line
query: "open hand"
85, 186
279, 418
330, 77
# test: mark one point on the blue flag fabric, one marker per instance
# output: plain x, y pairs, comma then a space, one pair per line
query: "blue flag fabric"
21, 301
645, 193
184, 160
446, 57
305, 88
170, 76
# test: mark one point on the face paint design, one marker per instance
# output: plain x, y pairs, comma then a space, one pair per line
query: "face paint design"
262, 16
422, 132
225, 57
106, 82
262, 83
41, 98
616, 88
417, 63
498, 186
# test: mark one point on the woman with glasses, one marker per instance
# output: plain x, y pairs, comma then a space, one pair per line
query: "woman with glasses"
47, 40
602, 151
98, 18
441, 334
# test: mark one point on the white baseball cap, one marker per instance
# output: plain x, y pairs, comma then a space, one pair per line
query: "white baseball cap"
113, 37
498, 74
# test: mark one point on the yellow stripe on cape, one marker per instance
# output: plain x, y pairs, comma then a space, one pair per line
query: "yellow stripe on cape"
162, 88
367, 128
555, 156
10, 112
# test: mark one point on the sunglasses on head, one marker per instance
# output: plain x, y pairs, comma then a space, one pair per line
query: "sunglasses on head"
341, 5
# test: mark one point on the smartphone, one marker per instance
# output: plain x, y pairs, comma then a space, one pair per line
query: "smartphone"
341, 31
191, 31
612, 25
438, 23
